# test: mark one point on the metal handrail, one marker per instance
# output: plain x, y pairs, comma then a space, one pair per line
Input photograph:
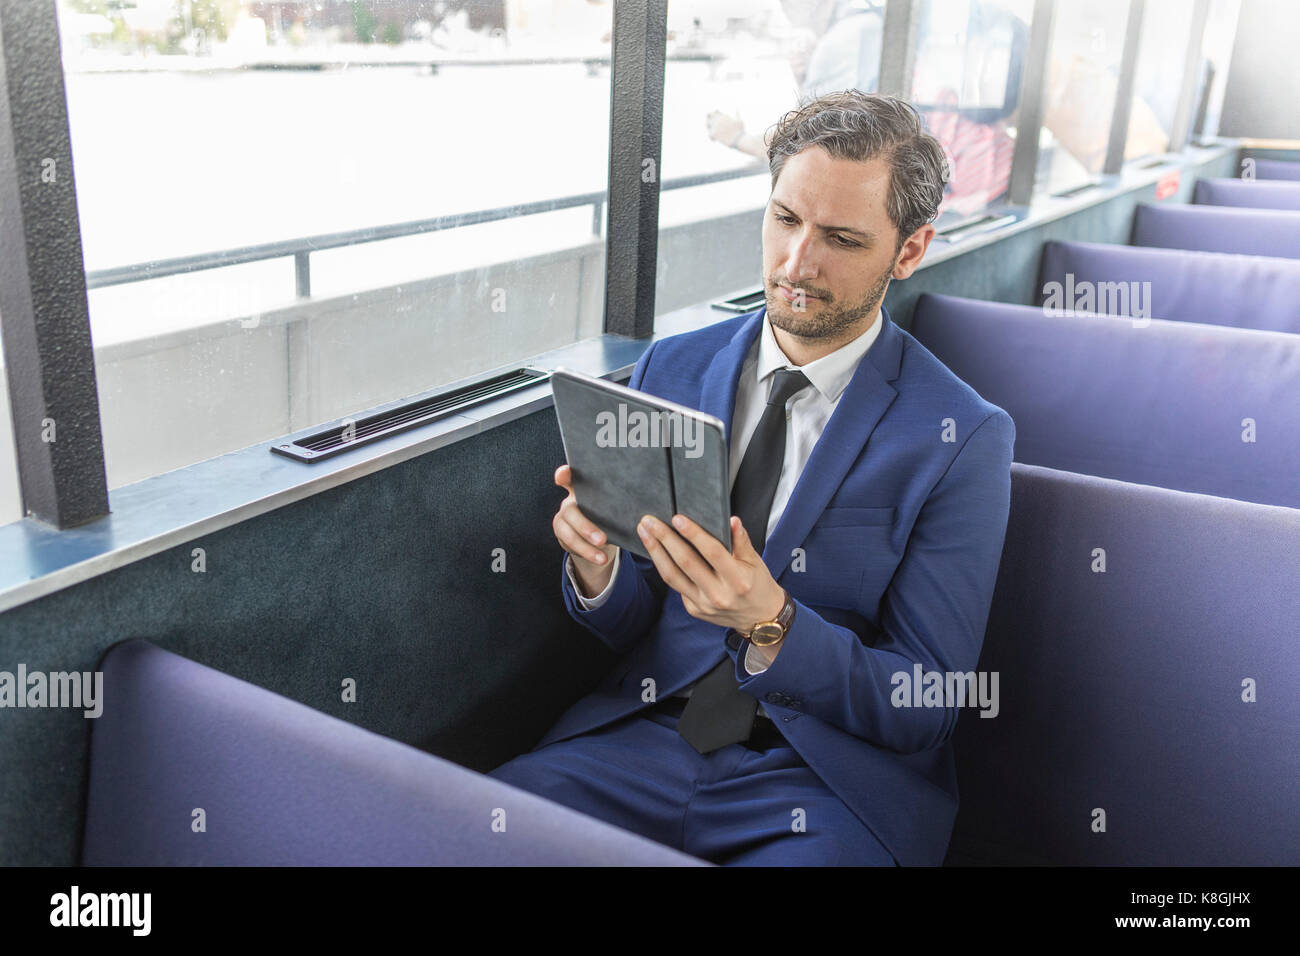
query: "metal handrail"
302, 248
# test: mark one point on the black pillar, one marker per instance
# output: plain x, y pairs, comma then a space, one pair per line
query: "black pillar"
44, 315
635, 145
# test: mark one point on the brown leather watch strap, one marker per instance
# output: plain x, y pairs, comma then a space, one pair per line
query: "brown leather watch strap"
783, 620
786, 614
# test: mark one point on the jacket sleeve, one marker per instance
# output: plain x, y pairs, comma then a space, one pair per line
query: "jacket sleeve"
933, 613
637, 595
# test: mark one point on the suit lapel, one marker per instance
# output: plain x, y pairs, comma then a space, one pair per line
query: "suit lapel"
864, 402
723, 375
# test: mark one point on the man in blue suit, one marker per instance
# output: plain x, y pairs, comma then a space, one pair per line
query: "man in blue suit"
756, 715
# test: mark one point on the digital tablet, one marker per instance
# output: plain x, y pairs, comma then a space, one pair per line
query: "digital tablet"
633, 454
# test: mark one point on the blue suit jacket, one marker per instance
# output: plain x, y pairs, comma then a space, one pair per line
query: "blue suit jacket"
900, 513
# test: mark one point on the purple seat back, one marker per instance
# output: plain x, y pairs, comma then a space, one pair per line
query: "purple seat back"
1172, 404
1122, 690
1250, 232
1276, 169
281, 784
1250, 292
1250, 193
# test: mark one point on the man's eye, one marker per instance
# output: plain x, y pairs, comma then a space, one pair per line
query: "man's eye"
845, 242
785, 219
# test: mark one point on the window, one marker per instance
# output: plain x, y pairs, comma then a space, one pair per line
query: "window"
1216, 53
1082, 85
1166, 26
733, 70
970, 59
207, 137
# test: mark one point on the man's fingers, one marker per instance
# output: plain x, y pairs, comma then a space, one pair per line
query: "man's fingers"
718, 561
740, 536
709, 546
572, 541
664, 564
572, 514
695, 568
564, 478
581, 525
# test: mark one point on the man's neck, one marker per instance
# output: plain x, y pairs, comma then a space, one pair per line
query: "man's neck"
802, 351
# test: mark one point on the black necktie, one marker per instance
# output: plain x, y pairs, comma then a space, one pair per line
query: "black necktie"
719, 712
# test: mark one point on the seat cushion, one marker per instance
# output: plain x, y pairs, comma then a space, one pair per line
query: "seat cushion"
1159, 692
1248, 193
1251, 292
1181, 405
1251, 232
281, 784
1276, 169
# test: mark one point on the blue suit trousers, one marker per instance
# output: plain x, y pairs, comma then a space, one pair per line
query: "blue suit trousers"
735, 806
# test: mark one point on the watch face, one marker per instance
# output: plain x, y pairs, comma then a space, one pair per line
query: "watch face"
765, 635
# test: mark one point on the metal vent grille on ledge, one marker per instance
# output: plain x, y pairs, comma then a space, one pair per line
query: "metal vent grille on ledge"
324, 443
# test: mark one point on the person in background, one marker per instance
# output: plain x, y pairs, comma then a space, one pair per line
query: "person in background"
975, 142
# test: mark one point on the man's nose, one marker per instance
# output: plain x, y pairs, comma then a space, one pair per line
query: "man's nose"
800, 259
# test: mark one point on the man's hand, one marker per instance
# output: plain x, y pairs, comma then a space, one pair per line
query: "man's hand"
733, 589
723, 128
592, 553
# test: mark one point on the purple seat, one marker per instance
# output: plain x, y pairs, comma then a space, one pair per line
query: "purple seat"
1165, 404
1251, 232
281, 784
1250, 193
1123, 690
1276, 169
1250, 292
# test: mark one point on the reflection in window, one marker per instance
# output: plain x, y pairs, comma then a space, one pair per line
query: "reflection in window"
969, 63
1083, 78
733, 70
200, 130
755, 63
1166, 25
758, 60
1216, 52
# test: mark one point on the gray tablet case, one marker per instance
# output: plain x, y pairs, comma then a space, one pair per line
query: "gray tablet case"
633, 454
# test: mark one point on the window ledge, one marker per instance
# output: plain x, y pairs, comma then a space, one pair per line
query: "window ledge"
161, 512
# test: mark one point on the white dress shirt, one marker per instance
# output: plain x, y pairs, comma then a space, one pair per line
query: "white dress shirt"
807, 413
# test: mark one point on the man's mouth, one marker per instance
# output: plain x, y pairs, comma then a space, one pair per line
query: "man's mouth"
792, 295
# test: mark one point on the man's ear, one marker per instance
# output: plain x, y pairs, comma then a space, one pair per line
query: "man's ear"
913, 251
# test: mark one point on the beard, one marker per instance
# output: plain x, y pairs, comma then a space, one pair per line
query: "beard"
831, 319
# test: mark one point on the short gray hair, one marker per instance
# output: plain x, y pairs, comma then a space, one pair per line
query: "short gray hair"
860, 126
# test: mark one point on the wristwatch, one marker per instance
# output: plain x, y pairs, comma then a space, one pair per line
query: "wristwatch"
769, 633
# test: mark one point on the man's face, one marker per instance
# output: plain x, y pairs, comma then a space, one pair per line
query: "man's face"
829, 247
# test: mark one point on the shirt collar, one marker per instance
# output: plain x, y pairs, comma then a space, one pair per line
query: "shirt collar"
829, 374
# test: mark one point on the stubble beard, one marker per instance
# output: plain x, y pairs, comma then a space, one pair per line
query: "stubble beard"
829, 321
